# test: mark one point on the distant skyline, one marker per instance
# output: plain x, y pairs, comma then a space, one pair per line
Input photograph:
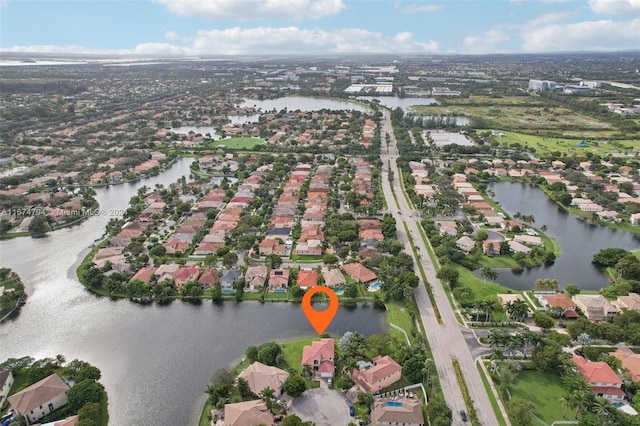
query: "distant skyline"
253, 27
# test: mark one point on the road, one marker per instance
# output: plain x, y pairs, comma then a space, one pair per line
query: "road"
446, 340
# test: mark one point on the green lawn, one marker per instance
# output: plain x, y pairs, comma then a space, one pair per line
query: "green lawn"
480, 288
238, 143
499, 262
546, 145
292, 352
398, 314
543, 390
593, 353
492, 397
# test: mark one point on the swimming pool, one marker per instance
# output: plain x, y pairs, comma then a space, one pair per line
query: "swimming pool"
339, 292
618, 404
375, 287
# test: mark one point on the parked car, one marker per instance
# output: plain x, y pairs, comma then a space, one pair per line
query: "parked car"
463, 416
352, 411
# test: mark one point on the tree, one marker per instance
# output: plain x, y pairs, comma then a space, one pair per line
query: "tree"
89, 414
329, 259
608, 257
39, 225
251, 353
268, 395
273, 261
412, 369
343, 252
84, 392
520, 411
365, 398
216, 292
543, 321
482, 235
297, 292
572, 290
268, 353
243, 388
229, 259
584, 339
294, 420
548, 356
351, 289
488, 274
80, 371
295, 385
439, 412
448, 274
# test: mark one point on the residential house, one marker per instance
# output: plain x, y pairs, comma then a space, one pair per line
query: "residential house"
561, 301
254, 277
528, 239
517, 247
360, 273
144, 274
333, 278
466, 243
278, 280
166, 272
175, 245
393, 412
186, 274
603, 380
383, 372
6, 381
491, 248
41, 398
320, 355
227, 279
630, 361
271, 246
248, 413
69, 421
630, 302
260, 376
307, 279
595, 307
208, 278
635, 219
309, 247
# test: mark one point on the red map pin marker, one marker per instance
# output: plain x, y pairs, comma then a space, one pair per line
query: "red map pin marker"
320, 320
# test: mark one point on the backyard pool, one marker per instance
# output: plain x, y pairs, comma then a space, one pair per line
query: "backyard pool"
339, 292
375, 287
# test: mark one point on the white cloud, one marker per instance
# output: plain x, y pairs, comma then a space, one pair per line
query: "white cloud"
255, 9
49, 48
266, 40
615, 7
489, 42
605, 35
293, 40
547, 18
412, 8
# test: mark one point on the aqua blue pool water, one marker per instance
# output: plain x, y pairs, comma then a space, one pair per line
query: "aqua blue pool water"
280, 291
394, 404
618, 404
376, 286
339, 292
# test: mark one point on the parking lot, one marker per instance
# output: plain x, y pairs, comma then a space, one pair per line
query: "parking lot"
325, 407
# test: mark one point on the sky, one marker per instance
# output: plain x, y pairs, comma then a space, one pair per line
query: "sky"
253, 27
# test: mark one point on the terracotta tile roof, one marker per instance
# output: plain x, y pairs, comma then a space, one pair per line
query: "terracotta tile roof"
359, 272
307, 279
39, 393
318, 350
560, 300
630, 362
596, 372
260, 376
248, 413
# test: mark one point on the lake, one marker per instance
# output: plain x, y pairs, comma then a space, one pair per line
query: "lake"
156, 361
579, 240
302, 103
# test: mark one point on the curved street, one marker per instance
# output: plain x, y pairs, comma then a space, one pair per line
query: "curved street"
446, 340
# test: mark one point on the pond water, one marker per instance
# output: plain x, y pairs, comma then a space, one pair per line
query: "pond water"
302, 103
579, 240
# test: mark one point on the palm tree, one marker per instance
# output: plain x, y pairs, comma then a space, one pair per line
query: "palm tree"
489, 307
488, 274
519, 310
544, 228
268, 395
565, 404
496, 356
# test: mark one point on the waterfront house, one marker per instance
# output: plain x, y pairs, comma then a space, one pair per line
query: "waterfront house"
208, 278
360, 273
278, 280
333, 277
595, 307
144, 274
320, 355
603, 380
166, 272
41, 398
517, 247
260, 376
382, 372
227, 279
630, 302
248, 413
561, 301
255, 277
185, 275
307, 279
402, 411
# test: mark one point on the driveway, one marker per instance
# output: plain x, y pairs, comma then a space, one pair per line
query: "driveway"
325, 407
